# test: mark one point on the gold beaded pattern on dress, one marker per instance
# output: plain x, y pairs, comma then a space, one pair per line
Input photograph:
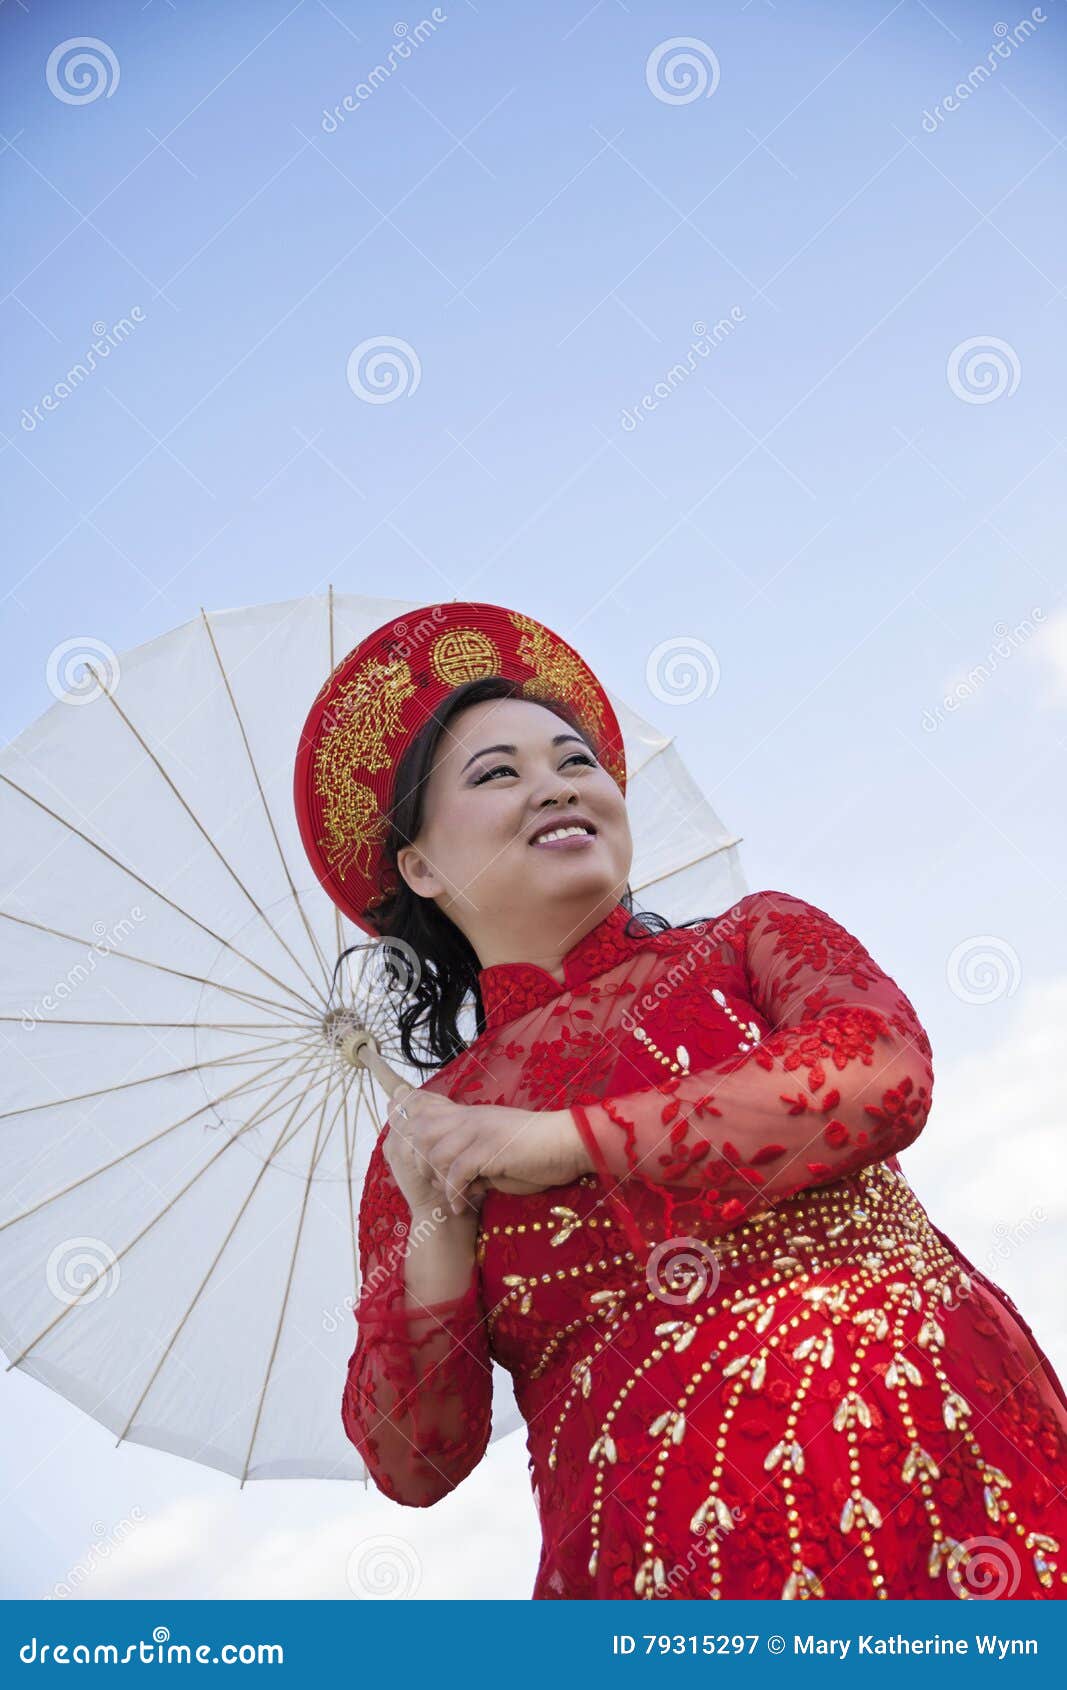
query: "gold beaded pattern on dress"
890, 1250
679, 1062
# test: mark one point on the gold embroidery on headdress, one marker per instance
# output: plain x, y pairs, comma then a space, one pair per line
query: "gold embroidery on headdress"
363, 720
355, 829
463, 654
559, 673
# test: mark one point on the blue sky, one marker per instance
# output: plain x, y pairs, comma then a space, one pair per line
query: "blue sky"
852, 493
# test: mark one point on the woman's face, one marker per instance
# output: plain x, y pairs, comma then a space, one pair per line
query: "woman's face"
504, 770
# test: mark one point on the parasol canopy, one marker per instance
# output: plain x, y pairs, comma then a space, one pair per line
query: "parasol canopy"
183, 1143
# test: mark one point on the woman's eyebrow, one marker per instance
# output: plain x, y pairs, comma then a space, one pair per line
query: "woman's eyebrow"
557, 739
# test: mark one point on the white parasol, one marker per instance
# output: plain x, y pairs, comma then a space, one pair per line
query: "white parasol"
183, 1138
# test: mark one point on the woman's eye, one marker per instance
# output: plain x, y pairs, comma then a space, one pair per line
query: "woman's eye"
506, 769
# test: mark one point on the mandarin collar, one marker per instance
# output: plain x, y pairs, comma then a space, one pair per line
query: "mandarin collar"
508, 989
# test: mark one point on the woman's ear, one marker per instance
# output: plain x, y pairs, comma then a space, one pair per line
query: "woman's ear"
418, 873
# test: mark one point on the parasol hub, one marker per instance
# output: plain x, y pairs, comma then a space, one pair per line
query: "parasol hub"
355, 1042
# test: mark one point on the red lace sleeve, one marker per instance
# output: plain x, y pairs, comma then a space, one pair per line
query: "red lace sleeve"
417, 1401
844, 1078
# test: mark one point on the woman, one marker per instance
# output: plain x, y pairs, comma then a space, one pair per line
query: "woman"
660, 1186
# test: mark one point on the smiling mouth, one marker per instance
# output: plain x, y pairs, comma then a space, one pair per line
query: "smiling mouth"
575, 834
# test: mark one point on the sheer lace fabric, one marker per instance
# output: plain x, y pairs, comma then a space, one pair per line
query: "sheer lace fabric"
748, 1362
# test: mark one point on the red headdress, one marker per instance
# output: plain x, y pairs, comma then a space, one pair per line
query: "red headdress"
376, 700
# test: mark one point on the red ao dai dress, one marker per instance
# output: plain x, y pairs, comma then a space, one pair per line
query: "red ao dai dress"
749, 1363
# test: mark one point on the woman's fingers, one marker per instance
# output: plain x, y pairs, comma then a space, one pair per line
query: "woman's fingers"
418, 1153
459, 1154
454, 1145
461, 1171
424, 1168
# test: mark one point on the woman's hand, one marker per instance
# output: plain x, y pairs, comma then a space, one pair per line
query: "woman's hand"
457, 1149
409, 1168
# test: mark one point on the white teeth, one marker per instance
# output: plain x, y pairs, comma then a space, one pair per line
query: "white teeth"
560, 833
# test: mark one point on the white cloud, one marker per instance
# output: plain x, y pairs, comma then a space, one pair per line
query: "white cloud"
1051, 645
296, 1540
990, 1166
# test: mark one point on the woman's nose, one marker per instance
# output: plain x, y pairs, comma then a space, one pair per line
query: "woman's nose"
557, 792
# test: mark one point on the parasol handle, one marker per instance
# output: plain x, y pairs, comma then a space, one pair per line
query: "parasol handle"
360, 1049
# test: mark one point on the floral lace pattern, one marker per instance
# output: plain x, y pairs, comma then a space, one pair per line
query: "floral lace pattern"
748, 1363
